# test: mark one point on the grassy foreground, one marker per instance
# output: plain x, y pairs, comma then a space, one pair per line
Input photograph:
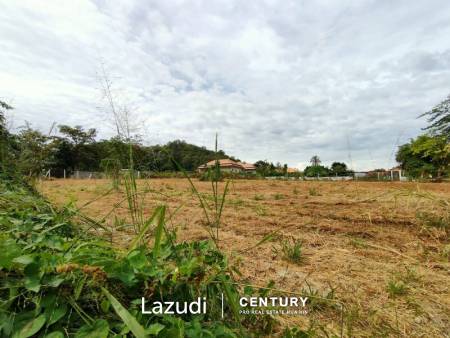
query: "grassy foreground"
59, 281
380, 248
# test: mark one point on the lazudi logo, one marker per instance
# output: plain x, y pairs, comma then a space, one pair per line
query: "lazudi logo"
273, 305
175, 308
248, 305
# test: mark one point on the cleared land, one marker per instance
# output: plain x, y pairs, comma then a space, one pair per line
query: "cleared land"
382, 249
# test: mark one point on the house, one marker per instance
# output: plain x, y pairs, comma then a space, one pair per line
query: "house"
228, 166
248, 167
292, 170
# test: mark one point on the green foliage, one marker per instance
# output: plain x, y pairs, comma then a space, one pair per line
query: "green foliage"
313, 191
258, 197
8, 145
439, 119
425, 156
320, 300
316, 171
266, 168
278, 196
77, 149
396, 288
295, 332
439, 221
339, 169
35, 152
291, 249
56, 278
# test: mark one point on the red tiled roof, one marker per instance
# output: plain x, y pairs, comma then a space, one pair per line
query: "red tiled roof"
227, 163
247, 166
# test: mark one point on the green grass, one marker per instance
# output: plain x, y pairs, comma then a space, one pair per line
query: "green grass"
258, 197
396, 288
58, 278
358, 243
291, 250
313, 192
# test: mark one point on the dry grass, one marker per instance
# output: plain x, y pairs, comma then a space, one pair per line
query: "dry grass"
365, 244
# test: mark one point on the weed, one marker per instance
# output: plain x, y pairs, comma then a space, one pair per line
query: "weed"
319, 301
212, 213
435, 221
260, 210
295, 191
291, 249
278, 196
236, 202
396, 288
446, 251
410, 275
313, 192
258, 197
358, 243
296, 332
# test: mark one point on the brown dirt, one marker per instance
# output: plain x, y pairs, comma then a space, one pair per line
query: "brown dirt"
357, 236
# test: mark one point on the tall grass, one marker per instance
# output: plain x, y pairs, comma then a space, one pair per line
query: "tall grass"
211, 211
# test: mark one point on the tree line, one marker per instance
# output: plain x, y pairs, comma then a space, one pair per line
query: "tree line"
428, 155
75, 148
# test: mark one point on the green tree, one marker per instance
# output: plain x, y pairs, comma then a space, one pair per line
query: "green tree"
437, 149
439, 119
316, 171
265, 168
285, 169
339, 168
76, 149
77, 135
315, 161
414, 164
7, 149
36, 152
425, 155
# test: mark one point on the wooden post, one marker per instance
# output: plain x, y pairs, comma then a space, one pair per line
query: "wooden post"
64, 173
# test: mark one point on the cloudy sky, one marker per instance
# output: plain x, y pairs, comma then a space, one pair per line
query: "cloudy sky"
278, 80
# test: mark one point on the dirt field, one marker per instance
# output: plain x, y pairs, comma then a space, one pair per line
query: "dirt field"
381, 249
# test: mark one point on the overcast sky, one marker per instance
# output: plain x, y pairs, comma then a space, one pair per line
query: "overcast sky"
278, 80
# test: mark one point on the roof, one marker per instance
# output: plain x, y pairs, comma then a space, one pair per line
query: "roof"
222, 163
227, 163
292, 170
247, 166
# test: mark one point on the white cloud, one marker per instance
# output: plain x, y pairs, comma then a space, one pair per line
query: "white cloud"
281, 80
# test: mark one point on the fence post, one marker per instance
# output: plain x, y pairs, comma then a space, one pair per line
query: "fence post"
64, 173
